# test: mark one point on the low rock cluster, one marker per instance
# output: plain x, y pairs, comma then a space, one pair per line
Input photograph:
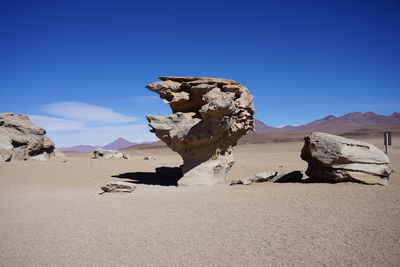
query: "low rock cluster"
109, 154
116, 187
20, 139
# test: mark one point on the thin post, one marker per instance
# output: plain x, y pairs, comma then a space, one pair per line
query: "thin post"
387, 139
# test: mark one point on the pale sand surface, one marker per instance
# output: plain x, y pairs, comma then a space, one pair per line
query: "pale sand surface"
52, 215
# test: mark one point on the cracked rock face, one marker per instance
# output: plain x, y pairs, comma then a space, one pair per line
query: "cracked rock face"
20, 139
209, 116
337, 159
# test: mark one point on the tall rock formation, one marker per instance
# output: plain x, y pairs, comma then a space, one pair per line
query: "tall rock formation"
209, 116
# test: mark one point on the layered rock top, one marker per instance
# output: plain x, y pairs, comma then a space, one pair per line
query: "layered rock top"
209, 116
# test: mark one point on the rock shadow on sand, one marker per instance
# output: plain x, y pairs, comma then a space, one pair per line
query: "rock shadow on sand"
163, 176
297, 177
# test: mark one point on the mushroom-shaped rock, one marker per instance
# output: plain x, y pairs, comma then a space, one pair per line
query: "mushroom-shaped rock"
335, 158
209, 116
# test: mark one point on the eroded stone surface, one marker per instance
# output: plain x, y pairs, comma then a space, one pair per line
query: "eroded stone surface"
20, 139
209, 116
337, 159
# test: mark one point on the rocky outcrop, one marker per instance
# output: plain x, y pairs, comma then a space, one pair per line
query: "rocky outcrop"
109, 154
334, 158
20, 139
209, 116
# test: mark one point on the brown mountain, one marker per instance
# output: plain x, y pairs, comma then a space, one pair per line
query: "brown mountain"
263, 128
119, 144
395, 115
337, 125
352, 125
115, 145
78, 148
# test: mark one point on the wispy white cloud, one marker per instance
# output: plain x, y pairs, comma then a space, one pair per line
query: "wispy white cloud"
86, 113
74, 123
52, 124
103, 135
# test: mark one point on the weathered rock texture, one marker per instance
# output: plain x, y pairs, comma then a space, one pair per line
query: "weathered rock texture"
209, 116
109, 154
336, 159
20, 139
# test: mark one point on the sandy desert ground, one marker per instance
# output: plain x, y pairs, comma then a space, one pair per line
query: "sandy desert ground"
53, 215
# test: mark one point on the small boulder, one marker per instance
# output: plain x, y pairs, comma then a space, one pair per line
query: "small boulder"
115, 187
258, 178
334, 158
149, 158
41, 157
58, 154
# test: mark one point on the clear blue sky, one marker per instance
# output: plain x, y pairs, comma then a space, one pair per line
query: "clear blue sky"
302, 60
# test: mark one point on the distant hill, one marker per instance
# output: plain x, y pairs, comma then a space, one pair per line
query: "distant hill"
352, 125
261, 127
336, 125
79, 148
395, 115
119, 144
115, 145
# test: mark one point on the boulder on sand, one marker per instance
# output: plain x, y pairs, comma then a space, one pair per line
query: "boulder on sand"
109, 154
115, 187
20, 139
334, 158
209, 116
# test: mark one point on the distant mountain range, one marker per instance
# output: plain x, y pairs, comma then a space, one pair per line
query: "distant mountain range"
115, 145
335, 125
352, 125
